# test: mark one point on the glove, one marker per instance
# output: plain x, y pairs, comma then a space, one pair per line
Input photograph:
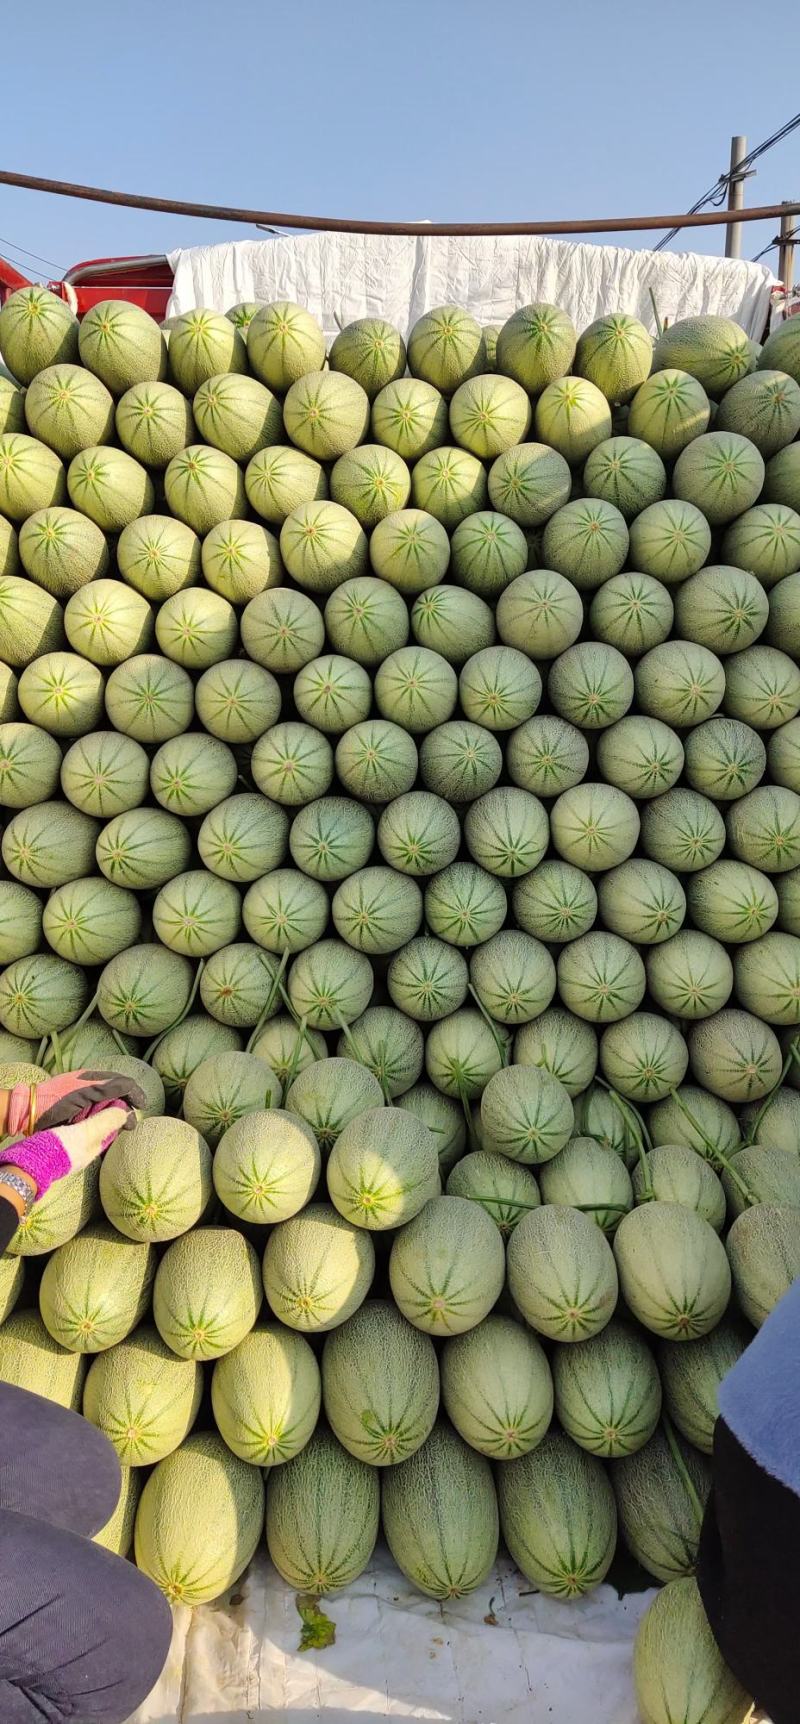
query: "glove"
69, 1096
53, 1154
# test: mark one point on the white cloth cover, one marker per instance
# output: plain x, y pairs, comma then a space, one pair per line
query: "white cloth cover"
340, 277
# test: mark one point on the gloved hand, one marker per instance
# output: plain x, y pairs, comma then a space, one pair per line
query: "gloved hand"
66, 1097
53, 1154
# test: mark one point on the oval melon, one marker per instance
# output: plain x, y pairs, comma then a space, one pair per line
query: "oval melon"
37, 328
764, 1253
237, 414
503, 1188
63, 693
409, 416
725, 759
89, 921
207, 1292
267, 1166
371, 482
41, 994
558, 1517
601, 977
62, 550
288, 1047
693, 1117
20, 922
117, 1534
497, 1388
323, 1514
30, 762
370, 350
318, 1269
589, 1177
661, 1492
171, 1541
158, 556
383, 1168
380, 1381
735, 1056
561, 1044
157, 1182
122, 344
154, 422
277, 479
224, 1087
447, 1266
190, 774
95, 1289
32, 623
196, 913
561, 1273
607, 1391
49, 844
712, 349
266, 1396
203, 487
673, 1270
428, 979
440, 1516
642, 901
691, 1375
143, 848
30, 1359
325, 413
676, 1173
69, 409
463, 1052
695, 1686
389, 1044
284, 341
142, 1398
668, 410
60, 1215
31, 476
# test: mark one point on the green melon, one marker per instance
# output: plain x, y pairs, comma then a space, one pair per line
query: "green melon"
382, 1169
143, 848
410, 549
179, 1052
239, 986
415, 687
558, 1517
170, 1537
326, 414
561, 1273
237, 414
632, 612
240, 559
285, 911
376, 760
465, 905
644, 1058
560, 1044
146, 1077
767, 978
322, 545
572, 416
762, 687
764, 1252
89, 921
154, 422
460, 760
157, 1184
117, 1534
586, 540
759, 1175
266, 1396
371, 482
418, 833
376, 911
95, 1289
318, 1269
488, 552
691, 1376
149, 698
366, 619
765, 407
444, 1117
695, 1686
602, 1115
330, 984
159, 556
526, 1114
69, 409
196, 913
106, 623
197, 628
536, 346
640, 756
556, 902
673, 1270
675, 1173
12, 1277
66, 1208
732, 901
463, 1052
589, 1177
713, 349
722, 608
333, 693
371, 351
607, 1391
30, 1359
207, 1292
30, 762
204, 487
507, 831
453, 622
443, 1551
724, 759
683, 830
721, 473
243, 837
783, 625
776, 1125
267, 1166
764, 829
9, 549
49, 844
782, 482
283, 343
661, 1492
615, 353
540, 613
329, 1094
142, 1398
63, 693
782, 349
547, 755
670, 540
680, 682
766, 540
192, 773
735, 1056
12, 404
237, 701
142, 991
786, 887
447, 1266
41, 994
389, 1044
499, 687
601, 977
37, 329
282, 629
223, 1087
594, 826
502, 1187
410, 417
626, 472
278, 479
122, 344
513, 977
449, 484
110, 487
292, 763
335, 1499
380, 1382
488, 414
690, 975
332, 838
20, 921
445, 347
202, 345
529, 482
590, 685
32, 623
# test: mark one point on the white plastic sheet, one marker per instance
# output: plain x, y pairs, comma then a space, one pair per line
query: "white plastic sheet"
399, 1656
344, 276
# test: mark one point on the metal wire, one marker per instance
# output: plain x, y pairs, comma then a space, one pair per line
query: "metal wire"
716, 193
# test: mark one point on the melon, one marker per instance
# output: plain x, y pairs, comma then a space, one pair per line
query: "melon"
683, 830
203, 344
117, 1534
464, 904
446, 1267
89, 921
442, 1550
556, 902
786, 887
536, 346
333, 693
673, 1271
561, 1273
589, 1177
488, 552
292, 763
561, 1044
732, 902
782, 482
142, 1398
30, 1359
61, 550
680, 682
661, 1493
157, 1182
449, 484
266, 1396
283, 343
670, 540
502, 1187
776, 1125
445, 347
143, 990
203, 487
146, 1077
240, 559
330, 984
540, 612
735, 1055
414, 687
714, 350
69, 409
196, 913
418, 833
721, 473
285, 911
632, 612
762, 687
20, 921
240, 985
547, 755
499, 688
526, 1114
513, 977
63, 693
159, 556
237, 414
267, 1166
428, 979
122, 344
106, 623
223, 1087
489, 413
237, 701
389, 1044
95, 1289
696, 1686
110, 487
383, 1168
326, 414
644, 1058
171, 1538
143, 848
197, 628
722, 608
675, 1173
366, 619
9, 550
497, 1388
601, 977
591, 685
668, 411
372, 482
37, 328
695, 1118
323, 1515
207, 1292
766, 540
64, 1210
765, 407
410, 417
192, 773
761, 1175
149, 698
154, 422
278, 479
463, 1051
376, 760
783, 625
380, 1383
41, 994
506, 831
764, 1252
724, 758
627, 473
329, 1094
410, 549
460, 760
529, 482
781, 349
179, 1052
331, 838
604, 1116
444, 1118
558, 1517
322, 545
764, 829
282, 629
615, 353
691, 1375
586, 540
371, 351
572, 416
12, 403
318, 1269
607, 1391
243, 836
49, 844
452, 621
642, 901
30, 762
375, 911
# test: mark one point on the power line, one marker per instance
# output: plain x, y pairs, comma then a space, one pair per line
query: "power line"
34, 254
716, 193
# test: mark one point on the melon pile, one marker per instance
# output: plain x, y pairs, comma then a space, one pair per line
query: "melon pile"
400, 775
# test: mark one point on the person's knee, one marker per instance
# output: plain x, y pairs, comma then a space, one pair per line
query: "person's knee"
54, 1465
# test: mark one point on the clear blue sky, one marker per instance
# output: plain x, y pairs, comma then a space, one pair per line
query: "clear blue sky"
428, 108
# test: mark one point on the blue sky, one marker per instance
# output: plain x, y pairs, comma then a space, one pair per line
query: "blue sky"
426, 108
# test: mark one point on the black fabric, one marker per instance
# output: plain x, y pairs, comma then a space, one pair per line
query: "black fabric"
54, 1465
9, 1222
747, 1574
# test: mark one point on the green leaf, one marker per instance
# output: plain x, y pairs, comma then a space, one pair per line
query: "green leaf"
317, 1629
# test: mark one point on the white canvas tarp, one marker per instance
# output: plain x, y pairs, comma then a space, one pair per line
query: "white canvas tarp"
340, 277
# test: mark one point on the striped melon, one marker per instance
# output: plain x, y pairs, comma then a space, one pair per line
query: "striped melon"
556, 902
445, 347
641, 901
243, 837
149, 698
240, 559
764, 1252
488, 414
615, 353
333, 693
675, 1173
626, 472
601, 977
49, 844
292, 763
110, 487
409, 416
240, 985
285, 911
236, 700
155, 1181
561, 1273
594, 826
266, 1396
207, 1292
32, 477
607, 1391
463, 1052
428, 979
196, 628
371, 481
673, 1271
764, 828
37, 328
502, 1187
30, 762
465, 905
683, 830
95, 1289
691, 1374
410, 549
108, 622
735, 1055
20, 922
590, 1177
419, 833
323, 1513
143, 990
328, 1095
661, 1493
117, 1534
447, 1266
448, 484
196, 913
62, 550
587, 540
678, 1669
776, 1124
526, 1114
782, 754
318, 1269
190, 774
528, 483
203, 344
644, 1058
366, 619
632, 611
380, 1383
540, 612
63, 693
712, 349
513, 976
561, 1044
460, 760
148, 1080
572, 416
697, 1119
283, 343
440, 1516
558, 1517
143, 1398
732, 902
33, 623
12, 1279
325, 413
154, 422
591, 685
267, 1166
497, 1388
41, 994
725, 758
171, 1538
158, 556
377, 911
765, 539
69, 409
88, 921
122, 344
444, 1118
690, 975
224, 1087
670, 540
332, 838
59, 1215
383, 1168
782, 483
30, 1359
203, 487
237, 414
370, 350
767, 978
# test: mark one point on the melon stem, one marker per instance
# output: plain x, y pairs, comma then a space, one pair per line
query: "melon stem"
681, 1468
791, 1057
638, 1131
60, 1051
503, 1048
181, 1015
715, 1154
273, 992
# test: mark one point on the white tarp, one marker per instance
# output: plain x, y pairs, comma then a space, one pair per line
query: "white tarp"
340, 277
399, 1656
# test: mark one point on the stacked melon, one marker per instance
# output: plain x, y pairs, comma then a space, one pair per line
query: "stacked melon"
400, 771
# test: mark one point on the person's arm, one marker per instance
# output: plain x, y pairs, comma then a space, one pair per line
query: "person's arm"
13, 1205
35, 1163
29, 1107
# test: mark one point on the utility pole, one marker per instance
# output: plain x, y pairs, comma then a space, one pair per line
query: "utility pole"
786, 254
733, 232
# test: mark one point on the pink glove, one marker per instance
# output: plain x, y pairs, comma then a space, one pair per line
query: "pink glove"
67, 1097
52, 1155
